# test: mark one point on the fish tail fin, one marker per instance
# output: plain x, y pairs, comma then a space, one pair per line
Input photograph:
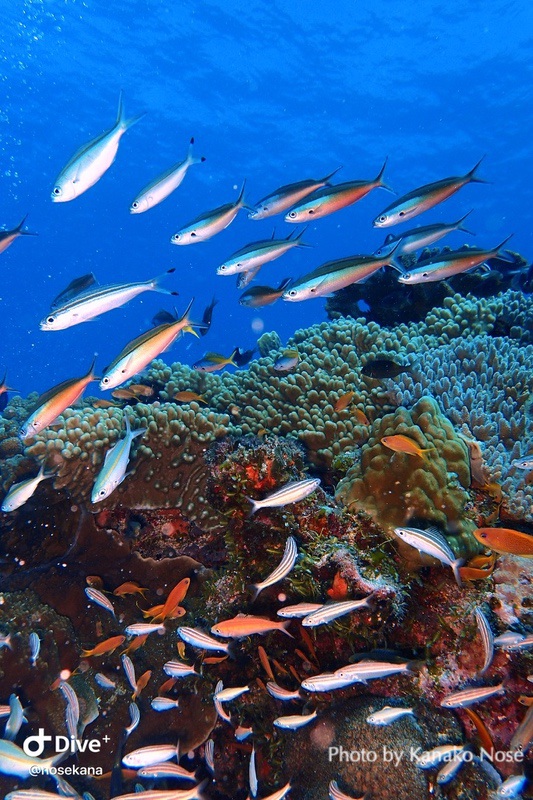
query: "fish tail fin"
194, 159
255, 506
231, 359
497, 249
155, 287
189, 325
283, 627
330, 176
392, 258
461, 227
414, 667
255, 591
283, 285
90, 374
298, 238
379, 178
240, 200
19, 230
122, 122
471, 176
455, 567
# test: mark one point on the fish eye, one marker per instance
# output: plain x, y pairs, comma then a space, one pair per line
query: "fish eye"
135, 205
105, 380
50, 320
57, 191
101, 493
292, 214
292, 293
383, 218
482, 535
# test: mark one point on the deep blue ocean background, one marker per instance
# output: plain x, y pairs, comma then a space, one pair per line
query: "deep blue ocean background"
273, 92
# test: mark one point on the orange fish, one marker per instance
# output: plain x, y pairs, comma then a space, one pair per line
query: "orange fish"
95, 581
265, 663
129, 588
246, 625
361, 417
4, 387
141, 390
214, 659
478, 568
152, 611
103, 404
189, 397
506, 540
403, 444
52, 403
124, 394
173, 600
167, 686
135, 643
483, 733
108, 646
339, 589
141, 683
344, 401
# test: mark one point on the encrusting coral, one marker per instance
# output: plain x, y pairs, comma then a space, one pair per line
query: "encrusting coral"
396, 487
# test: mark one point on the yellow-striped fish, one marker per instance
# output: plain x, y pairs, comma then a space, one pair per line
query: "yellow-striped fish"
53, 402
21, 492
144, 348
115, 465
210, 223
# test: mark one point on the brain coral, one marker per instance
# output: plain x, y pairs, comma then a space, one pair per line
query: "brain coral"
395, 487
481, 383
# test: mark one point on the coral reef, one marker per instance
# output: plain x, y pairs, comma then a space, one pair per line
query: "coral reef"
397, 487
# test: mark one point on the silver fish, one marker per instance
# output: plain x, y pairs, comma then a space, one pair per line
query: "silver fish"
129, 669
226, 695
166, 770
252, 774
508, 639
35, 647
523, 736
282, 694
218, 705
282, 570
332, 611
295, 721
467, 697
292, 492
73, 708
487, 638
21, 492
430, 758
177, 669
329, 681
160, 188
142, 628
90, 162
432, 543
523, 644
256, 254
111, 475
512, 787
370, 670
387, 715
84, 299
450, 770
299, 610
96, 596
14, 761
135, 717
195, 793
417, 238
526, 462
164, 704
242, 733
210, 223
336, 794
147, 756
197, 638
104, 682
209, 755
16, 718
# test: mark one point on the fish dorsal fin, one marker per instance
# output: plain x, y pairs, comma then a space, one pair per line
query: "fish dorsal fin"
75, 288
164, 318
390, 238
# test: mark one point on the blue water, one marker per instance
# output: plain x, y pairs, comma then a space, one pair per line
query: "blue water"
272, 92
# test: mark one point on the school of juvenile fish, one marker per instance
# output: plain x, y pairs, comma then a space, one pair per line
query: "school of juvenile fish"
83, 300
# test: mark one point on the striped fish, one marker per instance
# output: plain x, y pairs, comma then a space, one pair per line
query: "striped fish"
210, 223
292, 492
299, 610
197, 638
387, 715
165, 794
444, 752
336, 794
140, 628
254, 255
282, 570
487, 638
432, 543
332, 611
287, 196
104, 682
282, 694
370, 670
177, 669
417, 238
96, 596
152, 754
89, 163
329, 681
35, 647
138, 353
160, 188
135, 717
209, 755
424, 198
449, 264
164, 703
252, 774
467, 697
333, 198
218, 705
166, 770
113, 472
14, 761
84, 299
129, 669
53, 402
231, 693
